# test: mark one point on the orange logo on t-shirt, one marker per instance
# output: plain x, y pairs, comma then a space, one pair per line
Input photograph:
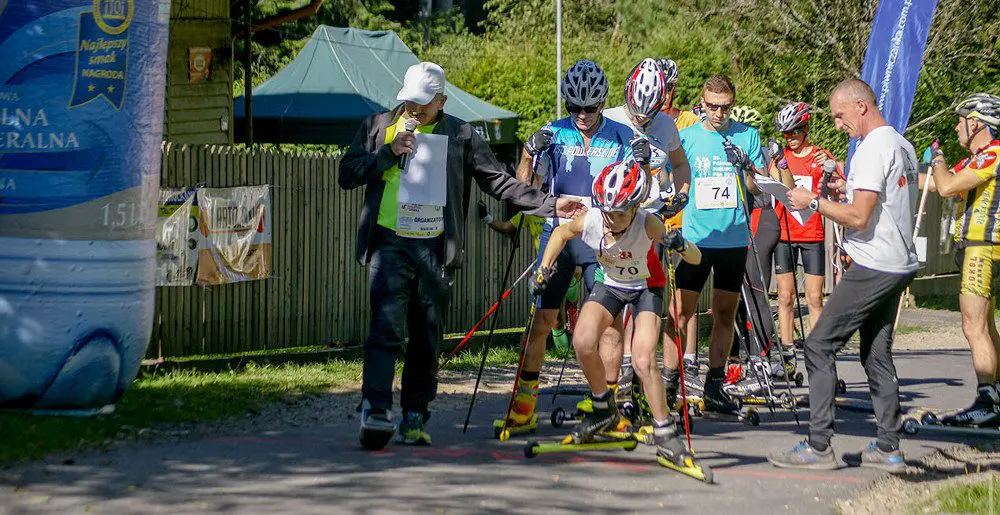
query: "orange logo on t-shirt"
902, 181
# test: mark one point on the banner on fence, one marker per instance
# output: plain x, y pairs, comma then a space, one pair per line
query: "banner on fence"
236, 226
177, 238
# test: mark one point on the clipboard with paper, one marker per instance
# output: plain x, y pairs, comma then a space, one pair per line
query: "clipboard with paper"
424, 179
780, 192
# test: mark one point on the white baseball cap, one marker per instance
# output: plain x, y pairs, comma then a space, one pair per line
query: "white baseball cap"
421, 83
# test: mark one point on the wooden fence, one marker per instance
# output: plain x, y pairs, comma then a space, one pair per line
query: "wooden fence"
318, 294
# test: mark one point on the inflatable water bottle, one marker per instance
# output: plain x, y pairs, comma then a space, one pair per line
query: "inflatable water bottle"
81, 120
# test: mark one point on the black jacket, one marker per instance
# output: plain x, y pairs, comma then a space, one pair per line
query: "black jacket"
469, 157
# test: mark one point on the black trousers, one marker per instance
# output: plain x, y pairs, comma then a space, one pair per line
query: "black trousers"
865, 301
408, 290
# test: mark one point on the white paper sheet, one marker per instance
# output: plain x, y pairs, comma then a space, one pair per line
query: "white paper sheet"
424, 179
780, 192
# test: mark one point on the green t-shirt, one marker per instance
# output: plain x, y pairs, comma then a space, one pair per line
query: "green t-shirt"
388, 209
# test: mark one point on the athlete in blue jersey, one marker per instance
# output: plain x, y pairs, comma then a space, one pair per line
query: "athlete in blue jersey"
720, 151
569, 153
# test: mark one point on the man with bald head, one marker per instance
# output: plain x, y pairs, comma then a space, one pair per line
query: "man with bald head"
881, 196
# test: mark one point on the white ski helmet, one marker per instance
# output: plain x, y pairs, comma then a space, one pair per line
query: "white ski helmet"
645, 89
669, 69
584, 84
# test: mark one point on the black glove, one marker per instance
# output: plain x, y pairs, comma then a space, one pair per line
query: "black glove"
539, 279
737, 156
774, 150
483, 213
674, 241
539, 141
640, 150
673, 205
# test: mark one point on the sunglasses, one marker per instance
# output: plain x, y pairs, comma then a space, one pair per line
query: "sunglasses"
717, 107
575, 109
793, 133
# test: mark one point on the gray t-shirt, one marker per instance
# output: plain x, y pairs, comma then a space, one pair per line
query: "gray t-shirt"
885, 163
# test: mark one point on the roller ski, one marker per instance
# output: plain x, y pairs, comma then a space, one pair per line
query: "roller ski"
598, 430
671, 453
718, 405
377, 428
979, 420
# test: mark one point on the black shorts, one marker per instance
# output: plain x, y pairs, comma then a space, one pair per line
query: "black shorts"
726, 264
813, 257
575, 254
615, 299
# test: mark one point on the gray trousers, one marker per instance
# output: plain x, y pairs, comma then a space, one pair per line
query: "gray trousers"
409, 292
865, 301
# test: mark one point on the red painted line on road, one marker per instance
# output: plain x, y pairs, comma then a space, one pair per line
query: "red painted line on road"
790, 475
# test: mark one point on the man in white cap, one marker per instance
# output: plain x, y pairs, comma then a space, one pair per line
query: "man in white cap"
412, 250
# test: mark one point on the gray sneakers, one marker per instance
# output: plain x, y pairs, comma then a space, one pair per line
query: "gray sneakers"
873, 457
803, 456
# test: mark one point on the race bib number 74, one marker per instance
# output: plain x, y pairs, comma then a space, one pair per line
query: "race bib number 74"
716, 192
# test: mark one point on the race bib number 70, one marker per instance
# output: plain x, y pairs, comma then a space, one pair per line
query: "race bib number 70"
716, 192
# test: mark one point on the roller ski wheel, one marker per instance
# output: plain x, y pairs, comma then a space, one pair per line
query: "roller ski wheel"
603, 441
841, 387
799, 379
689, 466
502, 434
558, 417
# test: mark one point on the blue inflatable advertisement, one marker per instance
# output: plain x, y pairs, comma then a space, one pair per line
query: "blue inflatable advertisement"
81, 121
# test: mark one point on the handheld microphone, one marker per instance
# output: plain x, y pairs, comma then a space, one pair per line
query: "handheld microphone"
411, 125
829, 167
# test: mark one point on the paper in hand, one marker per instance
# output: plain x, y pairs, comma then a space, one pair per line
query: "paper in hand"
424, 180
780, 192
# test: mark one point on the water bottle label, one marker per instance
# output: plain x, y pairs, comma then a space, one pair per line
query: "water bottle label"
81, 113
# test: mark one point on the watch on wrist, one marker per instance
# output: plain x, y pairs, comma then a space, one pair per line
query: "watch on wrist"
814, 204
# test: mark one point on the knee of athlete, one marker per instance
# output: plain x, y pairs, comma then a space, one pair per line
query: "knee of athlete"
724, 317
645, 365
785, 297
585, 343
814, 299
545, 320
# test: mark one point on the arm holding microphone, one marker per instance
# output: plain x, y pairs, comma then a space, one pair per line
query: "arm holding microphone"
855, 214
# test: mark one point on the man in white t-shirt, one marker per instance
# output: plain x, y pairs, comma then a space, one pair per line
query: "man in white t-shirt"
881, 193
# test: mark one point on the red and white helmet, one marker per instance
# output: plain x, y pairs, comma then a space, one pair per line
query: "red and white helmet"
645, 89
792, 116
620, 187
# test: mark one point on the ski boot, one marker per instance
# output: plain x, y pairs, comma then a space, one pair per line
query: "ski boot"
787, 367
671, 453
522, 417
984, 412
747, 387
603, 417
411, 429
692, 382
376, 427
715, 398
626, 376
671, 384
734, 372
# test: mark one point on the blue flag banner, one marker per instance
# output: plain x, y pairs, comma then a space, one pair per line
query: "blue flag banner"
894, 56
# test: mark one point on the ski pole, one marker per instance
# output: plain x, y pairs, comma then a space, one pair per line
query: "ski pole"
916, 230
493, 323
504, 433
489, 312
675, 319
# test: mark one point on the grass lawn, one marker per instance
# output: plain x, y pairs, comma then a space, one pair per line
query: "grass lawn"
979, 497
189, 395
